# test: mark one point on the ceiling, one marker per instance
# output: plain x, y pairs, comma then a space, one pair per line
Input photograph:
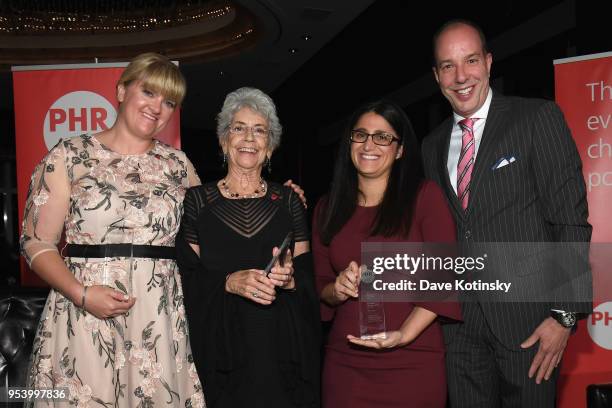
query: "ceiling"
292, 33
247, 42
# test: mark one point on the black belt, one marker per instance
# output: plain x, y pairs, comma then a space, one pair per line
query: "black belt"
120, 250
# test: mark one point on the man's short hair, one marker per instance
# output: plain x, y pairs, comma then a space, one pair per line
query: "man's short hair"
452, 23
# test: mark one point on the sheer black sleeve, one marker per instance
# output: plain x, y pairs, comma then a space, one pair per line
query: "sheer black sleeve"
192, 205
299, 219
205, 302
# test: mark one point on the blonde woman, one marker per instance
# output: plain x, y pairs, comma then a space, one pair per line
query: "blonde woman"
113, 331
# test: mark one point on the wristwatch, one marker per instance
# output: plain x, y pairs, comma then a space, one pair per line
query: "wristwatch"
565, 319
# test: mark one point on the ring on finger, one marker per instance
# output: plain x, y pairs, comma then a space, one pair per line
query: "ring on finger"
255, 294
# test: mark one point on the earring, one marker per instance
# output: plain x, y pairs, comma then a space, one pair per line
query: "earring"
224, 164
268, 164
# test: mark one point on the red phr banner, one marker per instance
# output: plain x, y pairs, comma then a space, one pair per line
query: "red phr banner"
583, 89
61, 101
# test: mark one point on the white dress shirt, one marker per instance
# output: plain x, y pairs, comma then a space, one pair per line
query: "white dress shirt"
454, 149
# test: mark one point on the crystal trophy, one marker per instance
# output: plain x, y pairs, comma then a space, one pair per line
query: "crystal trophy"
118, 273
131, 264
105, 278
371, 308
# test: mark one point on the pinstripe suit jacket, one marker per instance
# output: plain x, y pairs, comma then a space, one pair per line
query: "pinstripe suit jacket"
540, 197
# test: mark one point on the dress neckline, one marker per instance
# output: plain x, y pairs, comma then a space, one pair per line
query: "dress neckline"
368, 207
242, 198
108, 149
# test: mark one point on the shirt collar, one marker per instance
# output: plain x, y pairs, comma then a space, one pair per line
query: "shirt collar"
480, 113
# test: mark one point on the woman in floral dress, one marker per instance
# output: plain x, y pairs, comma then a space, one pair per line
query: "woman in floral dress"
113, 331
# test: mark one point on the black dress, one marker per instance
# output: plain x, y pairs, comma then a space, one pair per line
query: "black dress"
247, 354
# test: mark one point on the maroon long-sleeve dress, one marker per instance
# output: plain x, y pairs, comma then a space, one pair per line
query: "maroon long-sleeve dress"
411, 376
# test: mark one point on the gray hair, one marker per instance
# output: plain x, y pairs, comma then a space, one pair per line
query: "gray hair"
258, 102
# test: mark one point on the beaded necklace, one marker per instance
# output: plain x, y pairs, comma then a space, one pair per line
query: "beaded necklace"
260, 190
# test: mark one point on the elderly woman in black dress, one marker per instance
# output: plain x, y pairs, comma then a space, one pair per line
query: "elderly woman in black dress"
254, 336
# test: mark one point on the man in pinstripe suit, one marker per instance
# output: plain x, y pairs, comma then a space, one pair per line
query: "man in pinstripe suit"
511, 173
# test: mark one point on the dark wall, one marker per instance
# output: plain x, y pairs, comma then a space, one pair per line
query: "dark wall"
383, 50
389, 47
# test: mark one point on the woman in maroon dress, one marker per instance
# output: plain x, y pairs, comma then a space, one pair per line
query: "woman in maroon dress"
378, 195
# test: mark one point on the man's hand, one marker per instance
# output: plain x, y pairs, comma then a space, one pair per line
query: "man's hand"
553, 340
298, 190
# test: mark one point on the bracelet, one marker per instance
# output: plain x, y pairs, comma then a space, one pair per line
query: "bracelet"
83, 297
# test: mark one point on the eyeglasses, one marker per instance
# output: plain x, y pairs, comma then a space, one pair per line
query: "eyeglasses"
242, 130
379, 138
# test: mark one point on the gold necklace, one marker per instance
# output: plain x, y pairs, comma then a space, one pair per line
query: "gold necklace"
260, 190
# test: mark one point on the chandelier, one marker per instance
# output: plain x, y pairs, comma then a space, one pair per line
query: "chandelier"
52, 31
70, 16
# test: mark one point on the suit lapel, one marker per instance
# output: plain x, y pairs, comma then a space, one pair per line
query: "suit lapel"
494, 127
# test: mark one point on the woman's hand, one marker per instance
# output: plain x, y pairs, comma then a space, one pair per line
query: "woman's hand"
347, 283
104, 302
385, 340
416, 322
251, 284
298, 190
282, 276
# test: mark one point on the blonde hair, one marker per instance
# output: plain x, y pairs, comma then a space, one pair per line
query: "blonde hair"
158, 74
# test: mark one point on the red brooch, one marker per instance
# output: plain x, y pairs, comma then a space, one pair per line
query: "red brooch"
274, 197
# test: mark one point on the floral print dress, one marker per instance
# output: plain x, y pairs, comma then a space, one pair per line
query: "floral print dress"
97, 196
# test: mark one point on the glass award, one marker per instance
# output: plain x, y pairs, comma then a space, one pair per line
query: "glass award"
118, 271
105, 277
123, 280
371, 309
131, 264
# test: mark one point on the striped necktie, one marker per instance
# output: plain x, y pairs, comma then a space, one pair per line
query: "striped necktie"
466, 161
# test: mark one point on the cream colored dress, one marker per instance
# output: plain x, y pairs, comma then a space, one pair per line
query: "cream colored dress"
97, 196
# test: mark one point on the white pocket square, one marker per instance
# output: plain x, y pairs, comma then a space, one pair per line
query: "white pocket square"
503, 161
